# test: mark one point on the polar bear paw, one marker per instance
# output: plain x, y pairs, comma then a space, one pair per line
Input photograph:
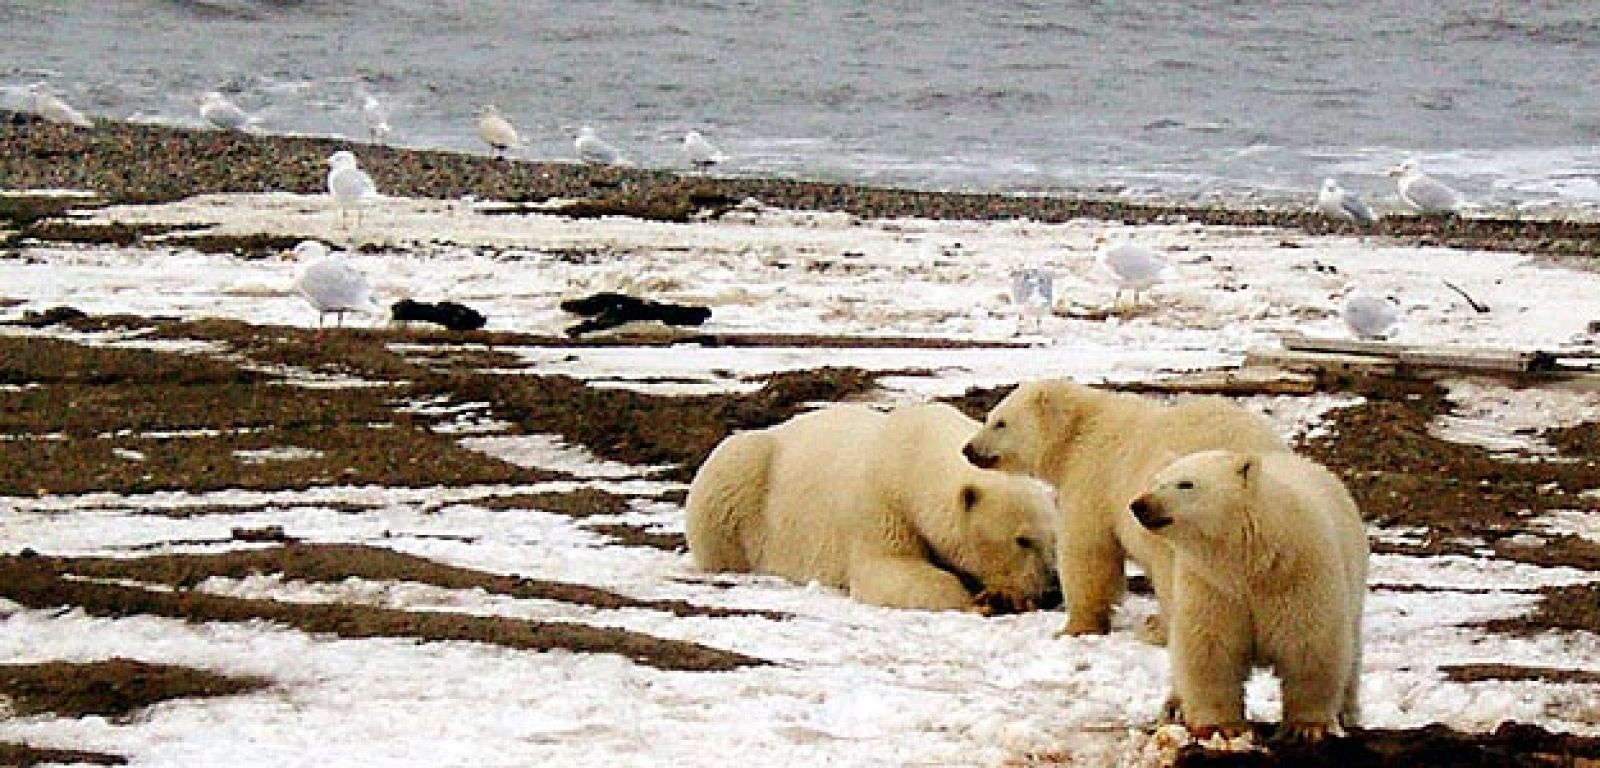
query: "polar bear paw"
994, 602
1304, 732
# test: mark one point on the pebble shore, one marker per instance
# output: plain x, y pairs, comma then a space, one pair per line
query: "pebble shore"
137, 163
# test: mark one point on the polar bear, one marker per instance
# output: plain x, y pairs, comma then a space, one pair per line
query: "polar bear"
1099, 449
1269, 568
881, 504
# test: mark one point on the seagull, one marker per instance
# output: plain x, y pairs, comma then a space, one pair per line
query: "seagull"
594, 150
496, 131
1337, 204
702, 154
376, 117
1370, 316
1136, 267
349, 186
330, 284
1424, 193
1033, 289
49, 106
221, 112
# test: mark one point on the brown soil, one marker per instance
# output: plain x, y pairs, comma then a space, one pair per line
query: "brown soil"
1513, 745
38, 582
333, 563
113, 688
24, 756
1472, 673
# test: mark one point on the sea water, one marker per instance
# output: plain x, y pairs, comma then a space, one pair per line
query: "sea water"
1184, 100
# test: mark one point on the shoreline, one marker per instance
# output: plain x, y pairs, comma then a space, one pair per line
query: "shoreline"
137, 163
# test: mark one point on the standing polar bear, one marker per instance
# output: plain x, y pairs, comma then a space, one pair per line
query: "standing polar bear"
1269, 568
1099, 449
881, 504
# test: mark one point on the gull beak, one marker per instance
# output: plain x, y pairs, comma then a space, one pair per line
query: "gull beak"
1396, 170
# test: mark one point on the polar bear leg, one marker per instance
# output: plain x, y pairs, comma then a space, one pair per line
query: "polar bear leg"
1350, 711
897, 581
1210, 648
1316, 682
1092, 578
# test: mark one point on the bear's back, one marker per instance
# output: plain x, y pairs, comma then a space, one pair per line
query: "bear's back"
1321, 495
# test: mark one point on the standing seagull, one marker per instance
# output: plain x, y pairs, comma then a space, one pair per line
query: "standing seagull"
594, 150
1370, 316
376, 117
221, 112
330, 284
1337, 204
496, 131
51, 108
1424, 193
702, 154
1136, 267
348, 185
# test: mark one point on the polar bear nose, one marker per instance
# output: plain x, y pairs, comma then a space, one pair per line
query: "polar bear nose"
1148, 513
977, 458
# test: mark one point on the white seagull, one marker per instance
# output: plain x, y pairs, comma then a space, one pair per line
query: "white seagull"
221, 112
1370, 316
594, 150
701, 153
376, 118
496, 131
1337, 204
49, 106
1424, 193
1136, 267
330, 284
348, 185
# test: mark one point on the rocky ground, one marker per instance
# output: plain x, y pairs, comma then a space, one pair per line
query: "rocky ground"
103, 401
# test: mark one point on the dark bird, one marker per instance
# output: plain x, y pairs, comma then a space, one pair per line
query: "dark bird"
456, 317
609, 310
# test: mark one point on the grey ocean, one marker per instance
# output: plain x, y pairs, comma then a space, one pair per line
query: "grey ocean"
1168, 99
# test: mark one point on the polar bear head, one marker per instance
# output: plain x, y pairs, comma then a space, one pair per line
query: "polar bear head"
1005, 539
1200, 498
1023, 427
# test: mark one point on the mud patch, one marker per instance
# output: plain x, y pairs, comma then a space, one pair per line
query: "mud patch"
24, 756
333, 563
1472, 673
578, 503
38, 583
640, 536
1575, 607
1512, 745
114, 688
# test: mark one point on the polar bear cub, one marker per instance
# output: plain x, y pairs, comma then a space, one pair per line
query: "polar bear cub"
881, 504
1270, 569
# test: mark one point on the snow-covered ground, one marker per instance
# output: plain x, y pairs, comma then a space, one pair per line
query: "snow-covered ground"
853, 685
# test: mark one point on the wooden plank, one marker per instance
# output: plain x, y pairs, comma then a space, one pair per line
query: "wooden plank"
1454, 355
1249, 380
1416, 356
1320, 361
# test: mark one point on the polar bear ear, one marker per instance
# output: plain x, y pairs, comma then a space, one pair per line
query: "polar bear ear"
1247, 466
969, 497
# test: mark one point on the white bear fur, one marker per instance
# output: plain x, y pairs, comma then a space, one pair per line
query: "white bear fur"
1099, 448
880, 504
1269, 569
